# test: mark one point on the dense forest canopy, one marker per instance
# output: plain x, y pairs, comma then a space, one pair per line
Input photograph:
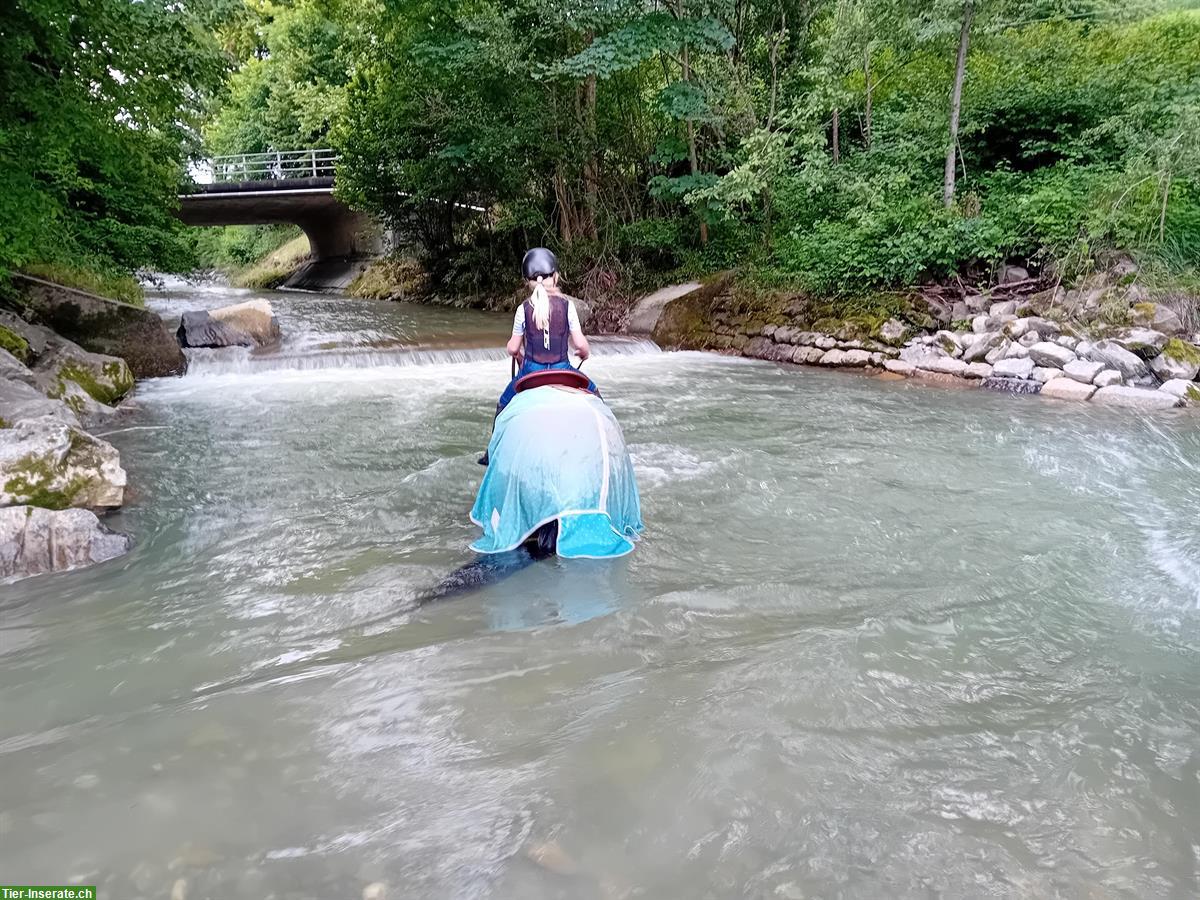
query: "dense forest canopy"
100, 106
840, 146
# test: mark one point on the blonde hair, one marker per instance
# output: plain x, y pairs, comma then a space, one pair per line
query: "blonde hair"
540, 301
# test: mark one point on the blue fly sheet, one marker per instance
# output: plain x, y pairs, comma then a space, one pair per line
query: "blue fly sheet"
558, 454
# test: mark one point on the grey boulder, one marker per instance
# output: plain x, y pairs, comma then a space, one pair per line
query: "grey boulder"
66, 371
1114, 356
1045, 353
1136, 398
1158, 317
12, 369
1068, 389
1177, 361
19, 401
946, 365
1145, 342
1083, 370
982, 346
34, 541
1013, 368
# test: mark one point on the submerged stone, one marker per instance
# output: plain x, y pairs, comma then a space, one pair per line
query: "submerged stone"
1012, 385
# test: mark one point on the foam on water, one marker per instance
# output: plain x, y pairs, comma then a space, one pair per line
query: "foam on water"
323, 351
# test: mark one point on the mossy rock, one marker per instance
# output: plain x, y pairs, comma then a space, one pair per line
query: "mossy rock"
56, 466
1182, 351
827, 325
32, 481
106, 379
14, 344
948, 344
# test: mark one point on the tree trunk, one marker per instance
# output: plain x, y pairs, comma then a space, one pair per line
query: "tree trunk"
775, 41
565, 230
960, 70
867, 82
693, 160
837, 139
591, 165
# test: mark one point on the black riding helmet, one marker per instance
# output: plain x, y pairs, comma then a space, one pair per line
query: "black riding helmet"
538, 261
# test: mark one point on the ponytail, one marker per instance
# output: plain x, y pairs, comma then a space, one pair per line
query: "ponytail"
540, 301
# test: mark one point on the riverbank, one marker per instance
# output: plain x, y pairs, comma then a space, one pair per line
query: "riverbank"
1108, 340
56, 476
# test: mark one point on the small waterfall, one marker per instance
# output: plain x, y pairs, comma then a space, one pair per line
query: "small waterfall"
342, 351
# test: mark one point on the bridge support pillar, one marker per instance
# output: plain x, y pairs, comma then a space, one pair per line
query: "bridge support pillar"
341, 232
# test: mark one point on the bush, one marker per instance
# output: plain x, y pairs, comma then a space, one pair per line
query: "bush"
232, 247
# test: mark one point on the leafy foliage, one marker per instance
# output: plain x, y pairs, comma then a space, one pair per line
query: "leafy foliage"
289, 85
1078, 133
804, 139
99, 101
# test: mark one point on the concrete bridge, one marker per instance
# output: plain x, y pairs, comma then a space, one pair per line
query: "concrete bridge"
295, 187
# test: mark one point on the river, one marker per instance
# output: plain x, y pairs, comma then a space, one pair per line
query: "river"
880, 639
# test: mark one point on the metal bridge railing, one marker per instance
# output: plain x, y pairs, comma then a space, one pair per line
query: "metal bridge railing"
274, 165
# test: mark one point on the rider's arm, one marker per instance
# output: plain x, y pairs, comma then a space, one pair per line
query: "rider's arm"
518, 334
577, 337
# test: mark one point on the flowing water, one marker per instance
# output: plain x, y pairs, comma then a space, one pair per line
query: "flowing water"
879, 640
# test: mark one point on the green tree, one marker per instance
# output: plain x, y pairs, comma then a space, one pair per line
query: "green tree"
289, 85
99, 103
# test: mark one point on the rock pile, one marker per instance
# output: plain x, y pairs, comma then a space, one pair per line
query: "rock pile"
1136, 367
53, 474
1103, 342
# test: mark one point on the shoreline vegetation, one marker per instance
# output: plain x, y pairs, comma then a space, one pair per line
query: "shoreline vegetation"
844, 149
251, 256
